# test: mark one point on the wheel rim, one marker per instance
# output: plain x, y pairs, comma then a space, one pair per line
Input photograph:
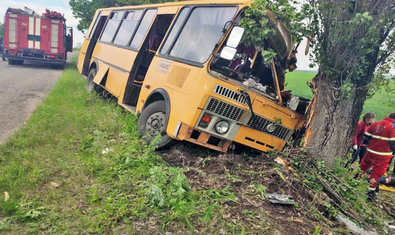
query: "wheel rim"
156, 123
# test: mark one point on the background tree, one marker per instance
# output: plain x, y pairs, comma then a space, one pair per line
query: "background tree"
85, 9
355, 44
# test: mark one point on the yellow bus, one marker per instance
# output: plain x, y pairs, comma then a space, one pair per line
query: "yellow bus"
181, 67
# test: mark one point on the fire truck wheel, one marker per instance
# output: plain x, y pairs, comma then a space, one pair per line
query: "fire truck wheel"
152, 122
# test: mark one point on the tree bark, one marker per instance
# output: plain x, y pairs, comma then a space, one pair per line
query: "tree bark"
333, 120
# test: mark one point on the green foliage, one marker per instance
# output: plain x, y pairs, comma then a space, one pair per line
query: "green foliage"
353, 44
256, 25
84, 10
258, 28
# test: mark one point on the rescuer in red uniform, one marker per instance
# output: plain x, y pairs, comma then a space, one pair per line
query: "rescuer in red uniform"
362, 127
380, 141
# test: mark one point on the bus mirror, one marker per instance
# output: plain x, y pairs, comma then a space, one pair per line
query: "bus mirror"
235, 37
228, 53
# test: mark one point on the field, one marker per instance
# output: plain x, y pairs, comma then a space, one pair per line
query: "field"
78, 166
382, 103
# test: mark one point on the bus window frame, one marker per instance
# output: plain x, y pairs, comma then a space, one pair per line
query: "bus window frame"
192, 8
148, 29
95, 25
105, 26
135, 30
138, 25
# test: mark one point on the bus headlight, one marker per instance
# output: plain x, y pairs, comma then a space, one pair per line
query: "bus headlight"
222, 127
271, 128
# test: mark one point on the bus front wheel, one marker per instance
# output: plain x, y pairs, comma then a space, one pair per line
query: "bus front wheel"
153, 121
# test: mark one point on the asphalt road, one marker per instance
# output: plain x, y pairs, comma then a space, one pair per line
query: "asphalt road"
22, 88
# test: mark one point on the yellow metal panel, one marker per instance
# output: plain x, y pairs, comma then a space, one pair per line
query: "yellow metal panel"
184, 101
178, 4
178, 75
116, 81
103, 68
113, 55
167, 10
81, 57
258, 136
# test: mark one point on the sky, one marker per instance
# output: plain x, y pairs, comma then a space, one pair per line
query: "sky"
63, 6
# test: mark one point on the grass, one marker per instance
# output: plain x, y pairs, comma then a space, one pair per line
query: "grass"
105, 173
79, 166
382, 103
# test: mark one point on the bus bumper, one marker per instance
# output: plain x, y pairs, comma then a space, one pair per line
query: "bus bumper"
204, 139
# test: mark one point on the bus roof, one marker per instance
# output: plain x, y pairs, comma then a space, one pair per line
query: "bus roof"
169, 4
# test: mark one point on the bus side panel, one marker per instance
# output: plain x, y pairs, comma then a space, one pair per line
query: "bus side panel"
177, 79
120, 61
81, 57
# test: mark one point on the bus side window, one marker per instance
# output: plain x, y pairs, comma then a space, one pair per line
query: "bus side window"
111, 26
128, 28
201, 33
174, 30
143, 29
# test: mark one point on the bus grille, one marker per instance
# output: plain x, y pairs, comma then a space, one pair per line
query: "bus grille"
224, 109
230, 94
261, 124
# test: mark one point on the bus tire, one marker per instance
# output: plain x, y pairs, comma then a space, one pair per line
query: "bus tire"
153, 121
11, 62
91, 86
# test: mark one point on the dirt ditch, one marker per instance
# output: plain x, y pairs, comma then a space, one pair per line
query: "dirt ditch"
250, 179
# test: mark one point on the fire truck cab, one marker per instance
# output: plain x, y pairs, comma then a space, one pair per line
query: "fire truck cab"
31, 37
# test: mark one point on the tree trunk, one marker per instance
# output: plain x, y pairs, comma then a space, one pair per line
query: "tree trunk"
333, 120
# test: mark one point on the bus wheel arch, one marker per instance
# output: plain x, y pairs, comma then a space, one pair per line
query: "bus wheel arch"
93, 66
155, 117
156, 95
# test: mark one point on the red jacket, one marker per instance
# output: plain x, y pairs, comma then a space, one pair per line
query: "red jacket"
382, 135
359, 131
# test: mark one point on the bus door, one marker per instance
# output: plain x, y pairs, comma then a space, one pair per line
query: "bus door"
144, 58
94, 35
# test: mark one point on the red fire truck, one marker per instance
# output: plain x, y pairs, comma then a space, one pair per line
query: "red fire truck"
31, 37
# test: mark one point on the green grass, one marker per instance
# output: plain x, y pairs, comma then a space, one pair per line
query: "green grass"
79, 166
382, 103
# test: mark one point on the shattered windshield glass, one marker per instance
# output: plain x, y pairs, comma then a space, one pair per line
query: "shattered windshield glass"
248, 65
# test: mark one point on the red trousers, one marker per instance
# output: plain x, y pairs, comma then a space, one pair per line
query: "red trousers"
379, 165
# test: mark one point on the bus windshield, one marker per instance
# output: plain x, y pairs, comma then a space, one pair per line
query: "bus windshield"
248, 65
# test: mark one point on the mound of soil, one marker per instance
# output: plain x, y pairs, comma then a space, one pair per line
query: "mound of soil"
243, 175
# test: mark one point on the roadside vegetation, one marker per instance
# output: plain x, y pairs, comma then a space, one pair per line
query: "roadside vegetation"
79, 166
